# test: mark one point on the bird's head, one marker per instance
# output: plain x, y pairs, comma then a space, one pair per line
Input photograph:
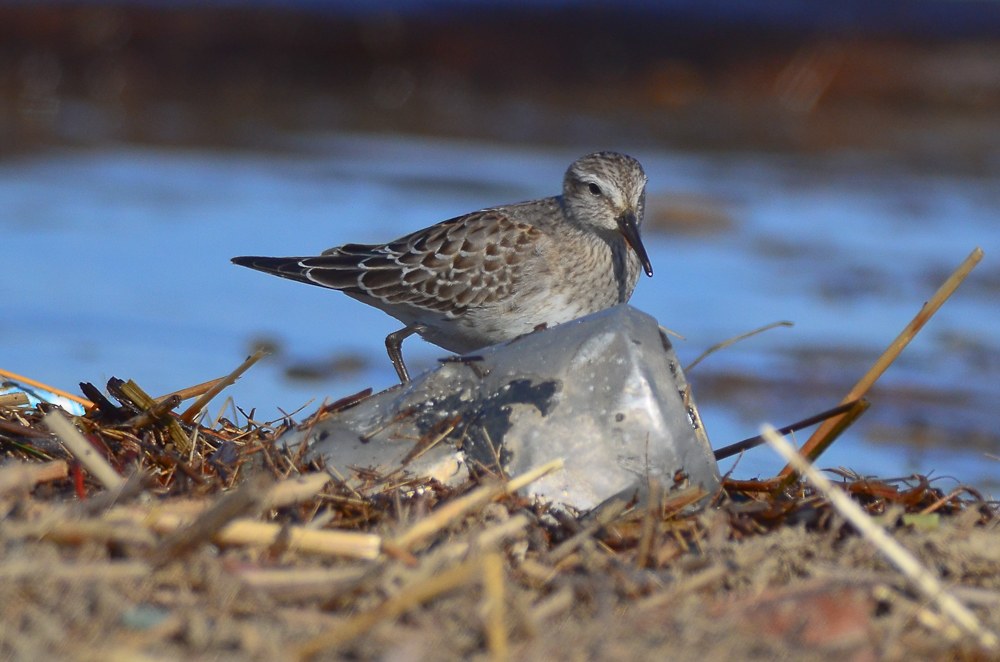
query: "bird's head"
606, 192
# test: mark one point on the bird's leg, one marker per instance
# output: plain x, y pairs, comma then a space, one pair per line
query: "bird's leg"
394, 345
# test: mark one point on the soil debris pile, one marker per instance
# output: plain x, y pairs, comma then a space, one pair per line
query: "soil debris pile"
216, 543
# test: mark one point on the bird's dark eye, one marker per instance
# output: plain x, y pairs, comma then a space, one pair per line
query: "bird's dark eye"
595, 189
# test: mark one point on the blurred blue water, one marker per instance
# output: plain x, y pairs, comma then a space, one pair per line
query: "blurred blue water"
116, 263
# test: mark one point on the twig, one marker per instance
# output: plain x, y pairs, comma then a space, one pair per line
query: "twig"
431, 439
83, 451
23, 430
893, 351
943, 500
139, 397
841, 423
732, 341
192, 391
159, 410
189, 414
170, 458
668, 332
681, 499
753, 442
898, 555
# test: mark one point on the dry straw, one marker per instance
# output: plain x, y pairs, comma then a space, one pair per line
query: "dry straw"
83, 451
898, 555
822, 437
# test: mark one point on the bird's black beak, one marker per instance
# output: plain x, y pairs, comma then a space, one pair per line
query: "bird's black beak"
629, 228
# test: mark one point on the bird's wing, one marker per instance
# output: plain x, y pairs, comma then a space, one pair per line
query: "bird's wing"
469, 261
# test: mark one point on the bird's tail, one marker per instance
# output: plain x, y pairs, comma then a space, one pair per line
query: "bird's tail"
286, 267
339, 268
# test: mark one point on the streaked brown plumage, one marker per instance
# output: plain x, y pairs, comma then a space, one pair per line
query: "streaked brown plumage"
495, 274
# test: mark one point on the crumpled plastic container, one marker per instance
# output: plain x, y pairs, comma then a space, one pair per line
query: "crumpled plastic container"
605, 393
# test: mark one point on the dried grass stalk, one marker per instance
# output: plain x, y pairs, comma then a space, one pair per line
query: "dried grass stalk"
457, 508
296, 490
889, 355
192, 391
174, 429
496, 623
325, 542
299, 538
908, 564
83, 451
191, 412
13, 399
